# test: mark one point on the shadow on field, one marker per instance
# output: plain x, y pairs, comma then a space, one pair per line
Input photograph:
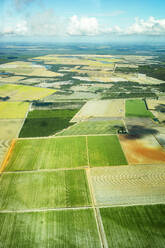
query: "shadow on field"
137, 131
160, 108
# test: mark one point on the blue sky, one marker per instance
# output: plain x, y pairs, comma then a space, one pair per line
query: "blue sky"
91, 19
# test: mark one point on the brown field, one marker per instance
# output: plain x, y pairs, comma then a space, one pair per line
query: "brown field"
142, 150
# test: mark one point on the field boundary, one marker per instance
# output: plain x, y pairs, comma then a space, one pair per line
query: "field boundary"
64, 136
77, 208
101, 232
44, 170
87, 151
123, 150
3, 165
30, 105
35, 210
63, 130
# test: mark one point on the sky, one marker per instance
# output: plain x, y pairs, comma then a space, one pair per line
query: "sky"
82, 20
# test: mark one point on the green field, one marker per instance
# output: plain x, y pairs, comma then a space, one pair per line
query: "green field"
137, 108
105, 151
13, 110
61, 229
49, 153
134, 227
93, 127
38, 190
41, 123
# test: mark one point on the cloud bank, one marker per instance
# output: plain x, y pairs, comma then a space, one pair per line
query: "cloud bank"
46, 23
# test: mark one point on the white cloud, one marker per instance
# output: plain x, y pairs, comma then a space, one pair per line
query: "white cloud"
46, 23
43, 23
83, 26
20, 28
150, 27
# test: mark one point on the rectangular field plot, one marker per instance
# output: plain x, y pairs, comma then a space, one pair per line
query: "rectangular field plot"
22, 93
40, 190
137, 108
101, 108
126, 185
93, 127
142, 149
41, 123
13, 110
105, 151
72, 228
49, 153
136, 226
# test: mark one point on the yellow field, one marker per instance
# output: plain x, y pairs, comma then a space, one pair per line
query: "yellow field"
16, 110
22, 93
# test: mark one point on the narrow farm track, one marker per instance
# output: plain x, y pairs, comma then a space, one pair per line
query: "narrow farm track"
43, 170
44, 210
64, 136
100, 227
87, 151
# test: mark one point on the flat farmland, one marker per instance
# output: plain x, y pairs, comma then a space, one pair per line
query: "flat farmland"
105, 151
42, 190
22, 93
15, 110
136, 226
93, 127
41, 123
64, 229
13, 79
51, 153
142, 150
101, 108
127, 185
137, 108
28, 69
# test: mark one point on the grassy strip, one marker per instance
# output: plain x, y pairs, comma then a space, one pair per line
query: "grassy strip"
136, 226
